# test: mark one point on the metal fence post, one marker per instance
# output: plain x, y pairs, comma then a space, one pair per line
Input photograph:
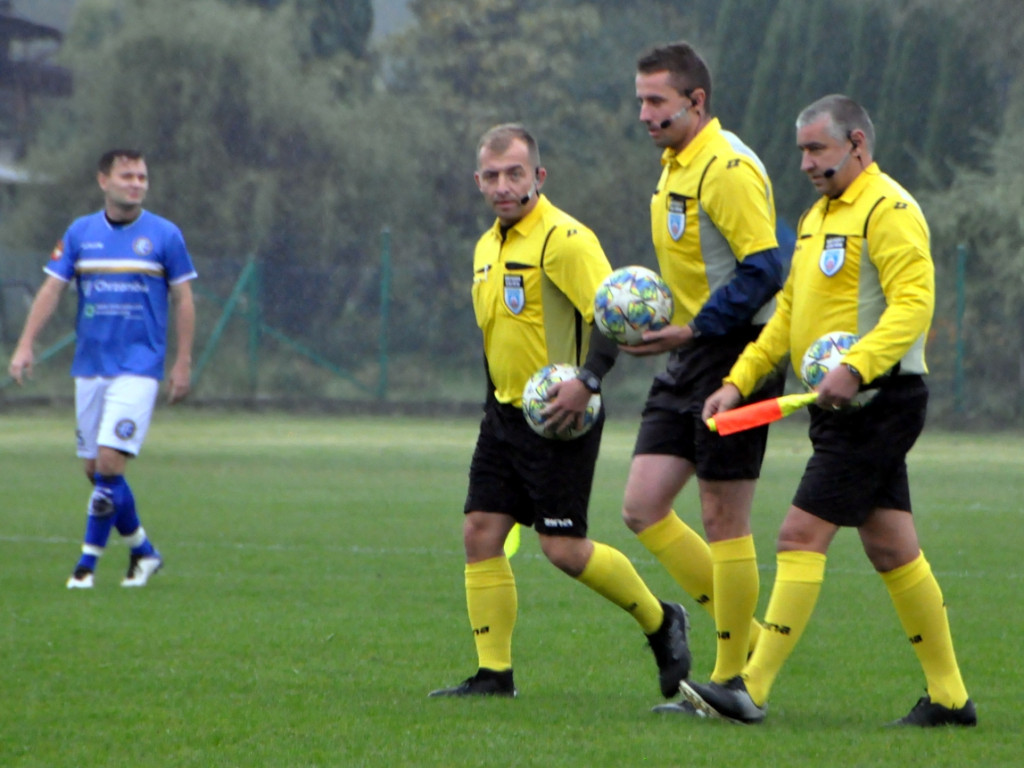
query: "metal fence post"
385, 312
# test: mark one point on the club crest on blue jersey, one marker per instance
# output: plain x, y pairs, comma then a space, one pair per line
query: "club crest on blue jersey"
142, 246
125, 429
833, 256
515, 293
676, 216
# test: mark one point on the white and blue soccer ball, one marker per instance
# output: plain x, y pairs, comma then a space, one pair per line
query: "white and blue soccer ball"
632, 300
824, 355
537, 394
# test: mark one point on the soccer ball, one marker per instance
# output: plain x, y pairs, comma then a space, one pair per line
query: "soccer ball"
824, 355
536, 397
630, 301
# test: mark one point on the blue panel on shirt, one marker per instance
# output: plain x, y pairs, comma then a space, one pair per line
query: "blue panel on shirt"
123, 276
757, 279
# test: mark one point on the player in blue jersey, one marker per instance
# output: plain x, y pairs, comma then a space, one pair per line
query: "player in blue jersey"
130, 267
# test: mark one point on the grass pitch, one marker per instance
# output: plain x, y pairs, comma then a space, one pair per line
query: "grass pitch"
313, 595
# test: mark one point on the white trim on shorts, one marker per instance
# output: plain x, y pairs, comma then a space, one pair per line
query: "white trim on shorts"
113, 412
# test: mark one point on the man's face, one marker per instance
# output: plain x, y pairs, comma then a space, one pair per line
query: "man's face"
821, 152
126, 185
660, 101
505, 178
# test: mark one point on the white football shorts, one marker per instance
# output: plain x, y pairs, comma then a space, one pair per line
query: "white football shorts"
113, 412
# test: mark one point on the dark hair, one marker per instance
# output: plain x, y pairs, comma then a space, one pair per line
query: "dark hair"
847, 116
687, 70
107, 158
500, 137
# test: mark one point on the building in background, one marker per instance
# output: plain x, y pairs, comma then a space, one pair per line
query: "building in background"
26, 74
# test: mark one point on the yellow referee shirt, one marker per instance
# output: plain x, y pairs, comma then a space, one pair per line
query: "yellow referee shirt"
533, 294
862, 264
712, 208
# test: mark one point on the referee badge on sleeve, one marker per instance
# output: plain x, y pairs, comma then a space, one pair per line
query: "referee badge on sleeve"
676, 216
515, 293
833, 256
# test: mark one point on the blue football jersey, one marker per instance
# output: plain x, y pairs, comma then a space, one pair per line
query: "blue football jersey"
123, 274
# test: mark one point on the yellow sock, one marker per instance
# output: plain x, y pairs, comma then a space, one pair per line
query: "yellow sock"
492, 602
736, 588
918, 600
685, 555
797, 586
687, 558
609, 573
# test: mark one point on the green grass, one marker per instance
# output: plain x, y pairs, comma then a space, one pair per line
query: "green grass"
313, 595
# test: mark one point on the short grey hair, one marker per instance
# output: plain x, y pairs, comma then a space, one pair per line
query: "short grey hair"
846, 116
500, 138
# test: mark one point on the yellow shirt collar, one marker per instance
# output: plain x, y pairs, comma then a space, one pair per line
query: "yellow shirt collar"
859, 184
526, 224
690, 151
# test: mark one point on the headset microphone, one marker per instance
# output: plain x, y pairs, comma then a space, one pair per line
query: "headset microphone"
836, 168
828, 174
668, 120
533, 190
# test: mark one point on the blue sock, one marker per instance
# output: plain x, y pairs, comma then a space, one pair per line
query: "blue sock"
126, 519
97, 525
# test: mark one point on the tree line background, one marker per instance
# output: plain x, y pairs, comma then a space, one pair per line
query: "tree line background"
275, 130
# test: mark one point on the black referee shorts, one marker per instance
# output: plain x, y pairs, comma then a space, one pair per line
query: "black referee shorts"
543, 483
859, 461
672, 424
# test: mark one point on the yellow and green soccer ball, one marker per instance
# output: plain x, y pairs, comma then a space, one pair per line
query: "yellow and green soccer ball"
537, 394
630, 301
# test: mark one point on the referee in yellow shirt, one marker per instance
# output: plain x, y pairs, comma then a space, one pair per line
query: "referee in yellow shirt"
535, 274
862, 265
713, 228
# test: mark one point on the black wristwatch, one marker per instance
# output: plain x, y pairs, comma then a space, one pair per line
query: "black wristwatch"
855, 372
590, 380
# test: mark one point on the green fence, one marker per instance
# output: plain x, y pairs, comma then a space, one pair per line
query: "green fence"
274, 332
236, 328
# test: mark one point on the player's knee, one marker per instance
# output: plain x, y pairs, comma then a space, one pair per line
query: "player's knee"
887, 557
638, 516
798, 539
632, 521
111, 461
723, 525
483, 535
569, 555
475, 527
642, 505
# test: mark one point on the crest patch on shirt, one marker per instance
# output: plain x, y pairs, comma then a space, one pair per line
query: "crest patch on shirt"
58, 251
676, 216
833, 256
515, 293
142, 246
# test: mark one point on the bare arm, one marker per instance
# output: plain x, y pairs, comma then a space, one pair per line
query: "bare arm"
43, 306
180, 380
